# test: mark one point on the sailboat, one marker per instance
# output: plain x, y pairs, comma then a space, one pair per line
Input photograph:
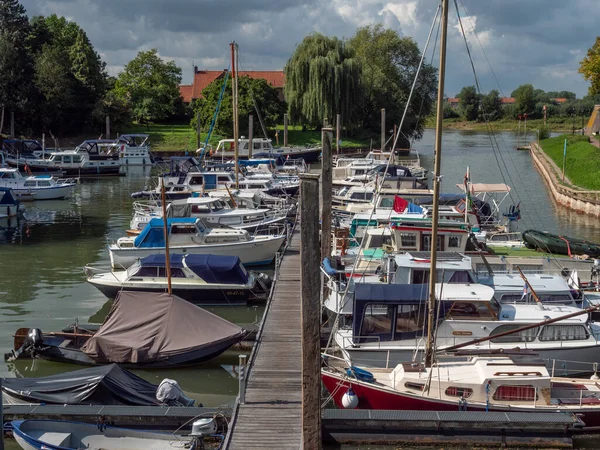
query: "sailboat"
500, 380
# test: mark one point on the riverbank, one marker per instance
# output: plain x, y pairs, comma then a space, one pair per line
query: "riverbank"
553, 124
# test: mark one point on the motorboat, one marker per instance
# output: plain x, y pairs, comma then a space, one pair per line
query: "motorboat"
255, 200
9, 205
388, 325
385, 176
264, 147
101, 385
171, 332
213, 211
41, 187
193, 236
514, 381
90, 158
562, 245
199, 279
18, 152
504, 240
134, 149
65, 435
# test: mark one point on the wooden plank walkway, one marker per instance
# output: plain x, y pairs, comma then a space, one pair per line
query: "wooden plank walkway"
272, 414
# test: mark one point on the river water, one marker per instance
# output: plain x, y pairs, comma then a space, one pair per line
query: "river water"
42, 283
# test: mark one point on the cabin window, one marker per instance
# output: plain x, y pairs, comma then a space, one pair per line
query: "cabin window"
30, 184
386, 203
200, 209
513, 298
76, 158
426, 242
499, 238
377, 321
256, 145
222, 239
461, 276
409, 319
183, 229
66, 159
359, 172
146, 272
564, 333
223, 179
463, 309
414, 386
420, 276
515, 393
408, 240
454, 241
522, 336
196, 181
175, 272
378, 241
556, 298
454, 391
43, 183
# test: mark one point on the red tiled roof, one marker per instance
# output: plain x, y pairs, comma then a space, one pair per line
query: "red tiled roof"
202, 78
507, 100
560, 100
186, 92
453, 100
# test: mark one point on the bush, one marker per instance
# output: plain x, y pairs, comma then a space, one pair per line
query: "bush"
543, 133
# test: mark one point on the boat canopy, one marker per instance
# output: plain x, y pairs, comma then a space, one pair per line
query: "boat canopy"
153, 235
168, 327
102, 385
477, 188
211, 268
7, 197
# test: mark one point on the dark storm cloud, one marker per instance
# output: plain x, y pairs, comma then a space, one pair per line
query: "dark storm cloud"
527, 41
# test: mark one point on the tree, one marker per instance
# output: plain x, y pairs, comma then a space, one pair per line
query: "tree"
491, 105
590, 67
389, 65
524, 99
468, 106
323, 78
249, 90
150, 85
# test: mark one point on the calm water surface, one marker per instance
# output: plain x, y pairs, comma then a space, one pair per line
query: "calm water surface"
42, 283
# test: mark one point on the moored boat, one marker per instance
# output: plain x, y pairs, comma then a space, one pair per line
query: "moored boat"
41, 187
563, 245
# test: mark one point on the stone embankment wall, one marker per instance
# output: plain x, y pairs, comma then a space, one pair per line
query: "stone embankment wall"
585, 202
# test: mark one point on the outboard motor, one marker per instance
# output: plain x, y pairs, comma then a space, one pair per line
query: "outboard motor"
34, 341
170, 394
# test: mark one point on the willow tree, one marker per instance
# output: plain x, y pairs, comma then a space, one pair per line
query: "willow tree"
322, 79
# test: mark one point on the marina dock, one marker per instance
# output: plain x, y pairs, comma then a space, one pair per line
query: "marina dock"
272, 407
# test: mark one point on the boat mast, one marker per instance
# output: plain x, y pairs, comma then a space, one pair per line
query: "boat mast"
166, 228
234, 89
429, 350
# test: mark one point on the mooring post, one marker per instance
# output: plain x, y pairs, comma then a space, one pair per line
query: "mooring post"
12, 124
250, 135
310, 282
326, 190
382, 129
242, 379
285, 130
338, 133
1, 419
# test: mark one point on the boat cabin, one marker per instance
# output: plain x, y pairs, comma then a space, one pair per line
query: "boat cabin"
415, 267
510, 288
415, 235
226, 146
133, 140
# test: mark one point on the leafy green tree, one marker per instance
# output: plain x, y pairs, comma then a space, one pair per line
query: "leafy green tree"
322, 79
389, 64
491, 105
524, 99
249, 90
150, 85
589, 67
468, 106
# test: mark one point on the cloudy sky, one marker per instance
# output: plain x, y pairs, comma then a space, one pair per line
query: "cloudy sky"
526, 41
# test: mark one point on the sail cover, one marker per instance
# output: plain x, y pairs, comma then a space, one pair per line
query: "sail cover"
144, 327
102, 385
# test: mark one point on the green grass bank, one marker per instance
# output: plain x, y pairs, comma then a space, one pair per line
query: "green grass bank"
582, 165
552, 123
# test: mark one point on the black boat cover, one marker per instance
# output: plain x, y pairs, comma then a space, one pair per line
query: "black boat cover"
102, 385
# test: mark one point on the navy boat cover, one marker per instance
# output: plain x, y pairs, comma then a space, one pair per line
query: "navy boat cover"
211, 268
153, 235
102, 385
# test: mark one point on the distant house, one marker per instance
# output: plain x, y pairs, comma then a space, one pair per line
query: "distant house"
453, 102
202, 78
559, 100
507, 101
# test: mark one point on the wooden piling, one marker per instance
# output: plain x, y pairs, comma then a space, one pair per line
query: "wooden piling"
12, 125
338, 133
382, 129
310, 279
326, 192
250, 135
285, 130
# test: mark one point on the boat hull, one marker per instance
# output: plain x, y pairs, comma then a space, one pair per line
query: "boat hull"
562, 245
256, 252
378, 397
48, 193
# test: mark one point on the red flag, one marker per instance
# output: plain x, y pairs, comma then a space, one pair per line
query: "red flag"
400, 204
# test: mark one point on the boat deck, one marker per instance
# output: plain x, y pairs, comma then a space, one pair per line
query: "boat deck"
271, 416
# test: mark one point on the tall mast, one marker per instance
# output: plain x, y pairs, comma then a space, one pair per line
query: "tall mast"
429, 350
234, 89
166, 230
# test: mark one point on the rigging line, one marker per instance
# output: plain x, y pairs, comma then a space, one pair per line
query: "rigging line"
492, 136
376, 196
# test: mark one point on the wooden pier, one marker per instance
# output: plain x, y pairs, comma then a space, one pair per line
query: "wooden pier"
271, 415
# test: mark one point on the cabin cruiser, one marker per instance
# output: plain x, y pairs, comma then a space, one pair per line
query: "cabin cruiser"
385, 176
389, 325
503, 240
254, 200
193, 236
345, 167
134, 149
214, 212
90, 158
18, 152
262, 146
199, 279
41, 187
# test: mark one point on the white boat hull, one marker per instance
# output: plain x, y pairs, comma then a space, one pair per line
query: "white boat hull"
260, 251
135, 160
49, 193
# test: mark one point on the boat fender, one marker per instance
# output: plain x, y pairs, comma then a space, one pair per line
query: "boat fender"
327, 266
349, 399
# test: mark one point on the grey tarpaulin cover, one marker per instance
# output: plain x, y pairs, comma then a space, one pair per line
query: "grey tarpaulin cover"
102, 385
144, 327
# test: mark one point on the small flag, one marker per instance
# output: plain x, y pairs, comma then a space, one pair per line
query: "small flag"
526, 291
573, 280
399, 204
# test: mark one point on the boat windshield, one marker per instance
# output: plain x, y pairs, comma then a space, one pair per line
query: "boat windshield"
133, 269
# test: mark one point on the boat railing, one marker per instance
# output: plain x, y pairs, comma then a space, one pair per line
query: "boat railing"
92, 269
